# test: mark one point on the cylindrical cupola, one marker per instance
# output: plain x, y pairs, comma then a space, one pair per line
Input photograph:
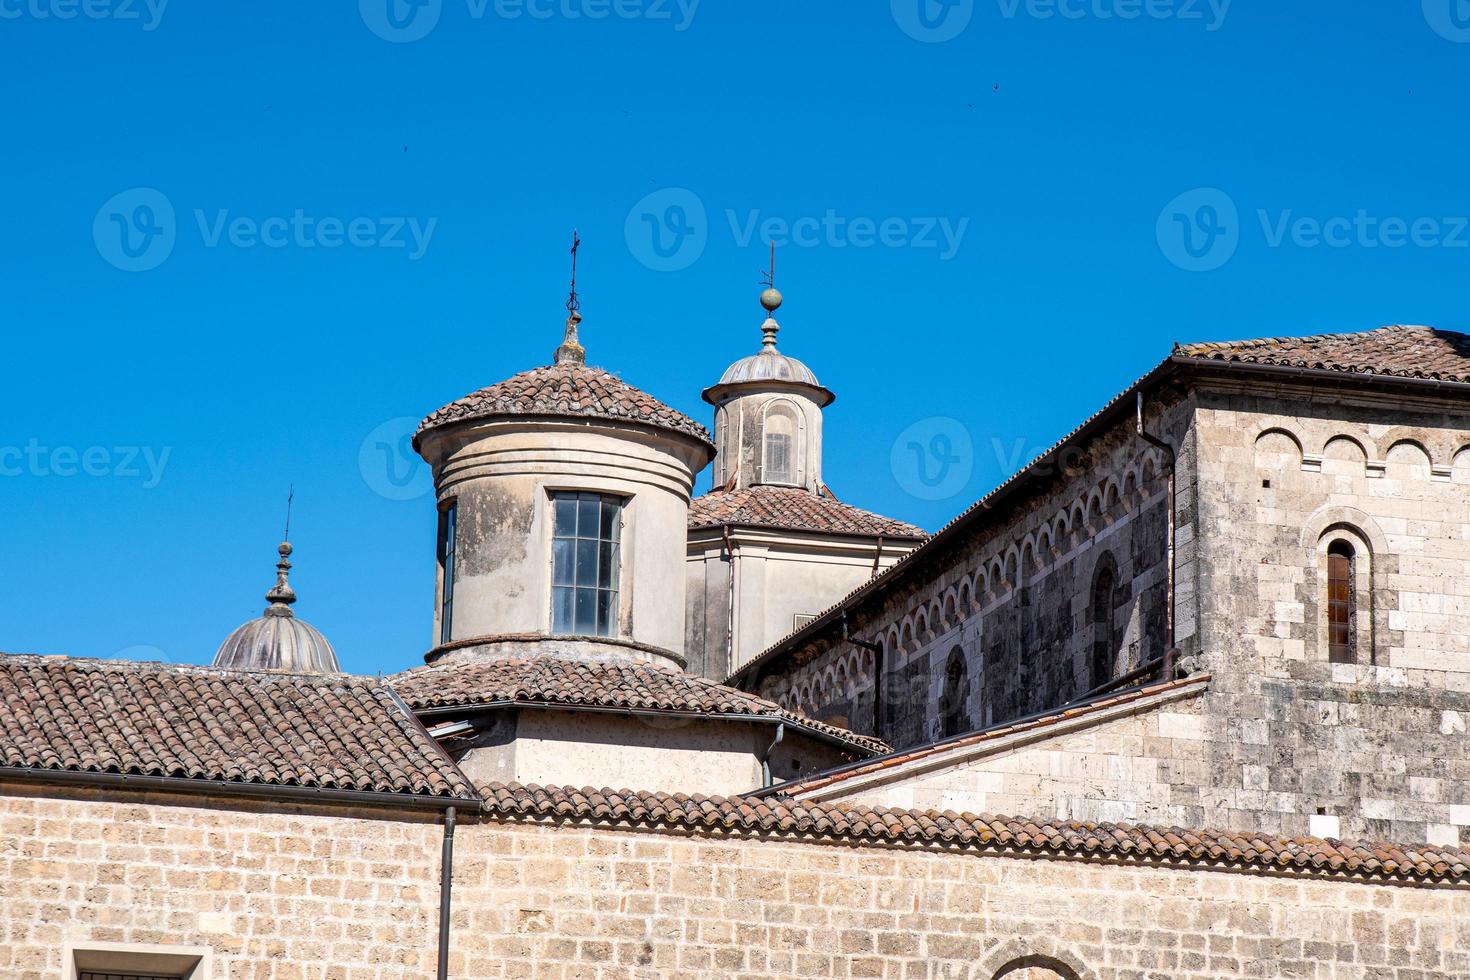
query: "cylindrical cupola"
563, 498
768, 417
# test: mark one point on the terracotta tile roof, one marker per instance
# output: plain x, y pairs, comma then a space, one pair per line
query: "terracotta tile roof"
983, 833
264, 727
1401, 352
565, 390
1041, 726
621, 685
794, 508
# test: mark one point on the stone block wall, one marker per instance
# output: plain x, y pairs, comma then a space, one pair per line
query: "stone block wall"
319, 895
1375, 746
1016, 604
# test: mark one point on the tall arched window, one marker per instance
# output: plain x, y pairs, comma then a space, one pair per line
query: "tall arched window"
1104, 631
779, 463
953, 718
1341, 602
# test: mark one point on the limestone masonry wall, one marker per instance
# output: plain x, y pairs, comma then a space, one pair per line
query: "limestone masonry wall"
353, 896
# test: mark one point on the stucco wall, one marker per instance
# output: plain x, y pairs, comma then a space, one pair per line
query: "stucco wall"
1379, 744
709, 756
295, 896
502, 475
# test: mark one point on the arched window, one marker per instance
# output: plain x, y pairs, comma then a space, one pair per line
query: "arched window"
1341, 602
1104, 631
778, 459
953, 718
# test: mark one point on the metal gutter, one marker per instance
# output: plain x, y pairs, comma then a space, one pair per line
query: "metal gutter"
794, 722
224, 787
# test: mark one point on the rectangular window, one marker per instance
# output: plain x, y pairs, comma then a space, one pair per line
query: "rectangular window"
585, 561
778, 458
1340, 606
448, 526
89, 975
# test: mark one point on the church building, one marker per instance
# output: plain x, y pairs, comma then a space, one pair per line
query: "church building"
1185, 698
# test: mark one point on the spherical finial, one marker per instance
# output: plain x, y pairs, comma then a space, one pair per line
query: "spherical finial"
771, 299
285, 549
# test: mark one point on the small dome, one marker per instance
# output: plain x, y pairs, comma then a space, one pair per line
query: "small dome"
275, 642
769, 365
278, 640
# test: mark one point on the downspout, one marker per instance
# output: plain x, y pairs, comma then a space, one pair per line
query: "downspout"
1170, 653
878, 558
878, 666
766, 781
730, 604
446, 882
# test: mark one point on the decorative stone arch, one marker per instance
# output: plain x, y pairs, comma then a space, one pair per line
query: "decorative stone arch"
1373, 596
1012, 958
1347, 452
906, 637
1078, 524
1112, 496
783, 417
1439, 448
996, 580
964, 602
1104, 654
1028, 559
1412, 452
1013, 564
1460, 463
1147, 475
949, 617
1130, 482
1043, 545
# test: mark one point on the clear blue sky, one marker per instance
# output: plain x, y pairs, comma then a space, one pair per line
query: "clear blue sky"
152, 420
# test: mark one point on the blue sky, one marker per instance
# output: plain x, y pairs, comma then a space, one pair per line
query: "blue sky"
246, 244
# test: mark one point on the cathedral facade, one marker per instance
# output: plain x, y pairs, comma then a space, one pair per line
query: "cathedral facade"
1183, 699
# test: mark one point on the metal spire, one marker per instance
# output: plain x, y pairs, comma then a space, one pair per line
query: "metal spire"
281, 597
571, 350
771, 299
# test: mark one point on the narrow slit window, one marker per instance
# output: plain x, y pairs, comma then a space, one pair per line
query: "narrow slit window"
1341, 610
448, 526
585, 563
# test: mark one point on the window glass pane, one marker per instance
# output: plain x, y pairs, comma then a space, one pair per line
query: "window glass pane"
606, 611
566, 515
561, 610
561, 562
588, 510
778, 458
586, 562
612, 519
586, 612
607, 567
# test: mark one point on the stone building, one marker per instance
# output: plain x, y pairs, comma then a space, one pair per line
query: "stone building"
268, 818
1305, 503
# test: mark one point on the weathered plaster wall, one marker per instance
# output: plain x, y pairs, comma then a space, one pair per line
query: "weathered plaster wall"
1378, 744
740, 429
709, 756
778, 576
502, 475
307, 896
1015, 602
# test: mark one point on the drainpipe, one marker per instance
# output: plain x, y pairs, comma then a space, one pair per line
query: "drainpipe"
1169, 651
730, 657
766, 780
878, 665
446, 882
878, 558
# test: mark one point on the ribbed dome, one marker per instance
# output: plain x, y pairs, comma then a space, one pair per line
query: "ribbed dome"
278, 640
769, 365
